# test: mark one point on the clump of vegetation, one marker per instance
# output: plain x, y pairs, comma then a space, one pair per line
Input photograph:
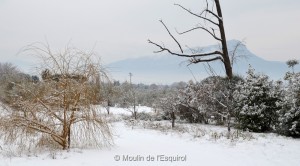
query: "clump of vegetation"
59, 110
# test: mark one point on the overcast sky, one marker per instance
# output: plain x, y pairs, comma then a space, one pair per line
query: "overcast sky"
119, 29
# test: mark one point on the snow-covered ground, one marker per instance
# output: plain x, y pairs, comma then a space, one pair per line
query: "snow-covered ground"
137, 143
116, 110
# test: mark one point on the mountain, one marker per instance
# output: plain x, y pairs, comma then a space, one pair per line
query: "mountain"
165, 68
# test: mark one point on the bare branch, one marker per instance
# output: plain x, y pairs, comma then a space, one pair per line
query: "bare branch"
172, 36
206, 10
184, 55
204, 18
206, 4
209, 69
206, 60
233, 53
194, 51
41, 102
205, 29
212, 13
210, 96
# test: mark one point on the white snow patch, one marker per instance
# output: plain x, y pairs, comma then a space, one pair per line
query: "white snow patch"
124, 111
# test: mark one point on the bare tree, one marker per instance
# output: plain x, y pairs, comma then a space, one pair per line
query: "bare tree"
133, 97
109, 93
128, 98
60, 108
213, 20
214, 26
235, 55
292, 63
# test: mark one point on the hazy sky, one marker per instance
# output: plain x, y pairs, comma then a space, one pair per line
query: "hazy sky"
118, 29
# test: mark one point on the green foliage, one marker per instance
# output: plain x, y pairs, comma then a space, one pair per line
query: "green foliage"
256, 103
289, 115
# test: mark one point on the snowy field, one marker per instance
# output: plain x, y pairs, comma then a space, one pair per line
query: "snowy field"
149, 147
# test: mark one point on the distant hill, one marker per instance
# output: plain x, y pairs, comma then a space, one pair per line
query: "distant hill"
165, 69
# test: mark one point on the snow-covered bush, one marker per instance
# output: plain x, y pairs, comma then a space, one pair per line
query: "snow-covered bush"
256, 103
145, 116
207, 101
190, 103
169, 106
289, 115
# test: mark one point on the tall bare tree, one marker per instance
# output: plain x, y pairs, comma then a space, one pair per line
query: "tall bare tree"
60, 108
213, 18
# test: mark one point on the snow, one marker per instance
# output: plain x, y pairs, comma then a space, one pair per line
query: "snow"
116, 110
264, 149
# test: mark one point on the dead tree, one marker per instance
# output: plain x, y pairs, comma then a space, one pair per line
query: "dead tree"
212, 16
215, 29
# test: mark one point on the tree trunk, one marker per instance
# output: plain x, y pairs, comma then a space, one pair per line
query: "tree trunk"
69, 136
107, 109
134, 110
226, 59
65, 128
173, 118
135, 115
108, 106
228, 121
